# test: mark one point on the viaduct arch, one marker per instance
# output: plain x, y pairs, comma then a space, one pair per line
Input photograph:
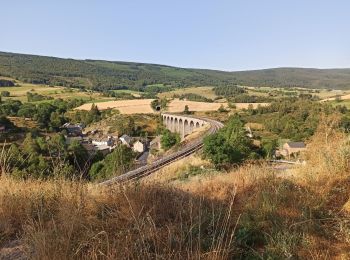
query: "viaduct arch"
184, 125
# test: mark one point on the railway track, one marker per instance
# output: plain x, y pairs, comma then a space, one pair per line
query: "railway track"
187, 150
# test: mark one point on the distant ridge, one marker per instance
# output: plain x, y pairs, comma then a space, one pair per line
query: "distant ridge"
100, 74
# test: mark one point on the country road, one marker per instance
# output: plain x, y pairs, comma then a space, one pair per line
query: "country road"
187, 150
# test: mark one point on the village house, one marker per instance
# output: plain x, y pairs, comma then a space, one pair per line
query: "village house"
73, 129
126, 140
291, 148
104, 141
139, 147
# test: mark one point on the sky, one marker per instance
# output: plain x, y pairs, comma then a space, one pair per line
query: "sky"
214, 34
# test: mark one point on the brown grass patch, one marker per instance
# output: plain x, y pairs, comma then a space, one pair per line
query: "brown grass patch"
136, 106
143, 106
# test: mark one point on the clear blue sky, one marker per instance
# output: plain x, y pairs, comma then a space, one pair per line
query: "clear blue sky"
216, 34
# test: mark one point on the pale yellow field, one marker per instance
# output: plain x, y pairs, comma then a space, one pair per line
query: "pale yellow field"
135, 106
143, 106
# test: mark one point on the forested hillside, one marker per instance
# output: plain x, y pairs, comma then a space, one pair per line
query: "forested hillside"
296, 77
114, 75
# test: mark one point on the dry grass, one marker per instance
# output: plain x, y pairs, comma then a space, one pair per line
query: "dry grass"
143, 106
136, 106
191, 211
301, 215
60, 220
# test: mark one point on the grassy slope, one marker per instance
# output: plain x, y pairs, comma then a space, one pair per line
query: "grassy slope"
19, 92
90, 73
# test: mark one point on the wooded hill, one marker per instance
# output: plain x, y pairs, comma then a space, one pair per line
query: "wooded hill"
105, 75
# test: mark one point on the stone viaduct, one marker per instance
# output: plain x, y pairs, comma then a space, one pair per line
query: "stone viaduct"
184, 125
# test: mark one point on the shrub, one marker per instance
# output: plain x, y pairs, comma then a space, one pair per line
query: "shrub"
169, 139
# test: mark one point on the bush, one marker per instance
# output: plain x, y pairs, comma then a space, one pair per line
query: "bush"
115, 163
169, 139
228, 146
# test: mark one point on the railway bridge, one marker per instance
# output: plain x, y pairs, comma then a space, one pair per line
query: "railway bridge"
184, 125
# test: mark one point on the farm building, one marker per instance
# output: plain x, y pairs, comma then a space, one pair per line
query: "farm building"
290, 148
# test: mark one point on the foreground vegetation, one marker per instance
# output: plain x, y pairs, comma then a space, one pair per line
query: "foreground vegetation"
252, 212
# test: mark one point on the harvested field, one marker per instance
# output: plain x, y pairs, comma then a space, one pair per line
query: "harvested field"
143, 106
135, 106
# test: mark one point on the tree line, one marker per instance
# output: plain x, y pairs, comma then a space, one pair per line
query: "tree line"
295, 118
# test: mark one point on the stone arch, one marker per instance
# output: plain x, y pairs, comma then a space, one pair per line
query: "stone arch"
186, 127
172, 127
197, 125
176, 125
168, 122
181, 128
191, 126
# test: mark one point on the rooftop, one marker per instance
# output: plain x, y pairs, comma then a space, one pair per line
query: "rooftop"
126, 138
296, 144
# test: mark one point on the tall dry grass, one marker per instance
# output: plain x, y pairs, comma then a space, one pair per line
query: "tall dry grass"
251, 212
64, 220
